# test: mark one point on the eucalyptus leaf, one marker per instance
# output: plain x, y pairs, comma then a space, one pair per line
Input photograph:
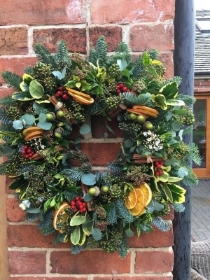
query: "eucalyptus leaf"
28, 119
88, 197
129, 232
129, 143
44, 125
122, 63
182, 172
60, 75
42, 117
88, 179
33, 210
17, 124
36, 89
84, 129
96, 233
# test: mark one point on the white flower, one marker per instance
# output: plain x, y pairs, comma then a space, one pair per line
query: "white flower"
157, 142
150, 147
24, 204
149, 132
149, 139
145, 133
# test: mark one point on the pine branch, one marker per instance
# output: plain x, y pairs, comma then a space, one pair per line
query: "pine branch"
178, 80
62, 54
101, 50
191, 179
3, 117
76, 249
93, 56
194, 154
12, 79
44, 55
124, 48
163, 225
188, 100
112, 215
7, 100
29, 70
153, 53
46, 226
137, 68
123, 212
179, 207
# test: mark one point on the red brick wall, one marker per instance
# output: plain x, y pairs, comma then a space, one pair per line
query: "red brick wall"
142, 24
202, 86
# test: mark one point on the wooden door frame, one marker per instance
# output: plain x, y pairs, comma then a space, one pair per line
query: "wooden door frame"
4, 272
205, 172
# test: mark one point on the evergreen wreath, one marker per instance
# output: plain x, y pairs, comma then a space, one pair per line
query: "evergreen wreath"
135, 191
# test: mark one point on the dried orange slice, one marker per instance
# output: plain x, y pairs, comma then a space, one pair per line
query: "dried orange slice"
140, 205
60, 217
145, 188
131, 199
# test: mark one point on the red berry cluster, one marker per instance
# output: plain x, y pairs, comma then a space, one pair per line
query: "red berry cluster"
62, 93
78, 204
121, 88
27, 152
158, 168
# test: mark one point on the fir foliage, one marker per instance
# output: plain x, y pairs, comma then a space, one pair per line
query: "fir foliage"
188, 100
112, 215
46, 226
3, 116
123, 248
76, 249
124, 48
178, 207
44, 55
59, 237
123, 212
153, 54
101, 51
137, 68
12, 79
7, 100
163, 225
194, 154
62, 54
93, 56
191, 179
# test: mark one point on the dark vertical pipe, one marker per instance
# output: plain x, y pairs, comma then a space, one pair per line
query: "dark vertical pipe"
184, 67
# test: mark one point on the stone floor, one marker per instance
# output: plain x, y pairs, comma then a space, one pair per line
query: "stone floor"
201, 211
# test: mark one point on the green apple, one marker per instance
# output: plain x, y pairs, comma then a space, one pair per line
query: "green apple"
132, 116
92, 191
50, 116
140, 119
105, 189
60, 114
148, 125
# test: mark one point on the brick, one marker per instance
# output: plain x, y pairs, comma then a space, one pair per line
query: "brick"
75, 38
159, 36
27, 262
13, 40
154, 262
7, 183
14, 212
4, 91
100, 153
113, 36
168, 62
15, 65
42, 13
205, 83
125, 11
135, 277
99, 127
153, 239
30, 236
97, 262
47, 278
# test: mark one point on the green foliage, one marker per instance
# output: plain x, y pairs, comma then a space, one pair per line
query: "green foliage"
194, 154
137, 68
123, 48
7, 100
163, 225
76, 249
123, 247
101, 51
153, 54
191, 179
188, 100
45, 226
112, 215
44, 55
62, 54
123, 212
12, 79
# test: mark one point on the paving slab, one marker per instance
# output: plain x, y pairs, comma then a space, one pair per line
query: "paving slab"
200, 219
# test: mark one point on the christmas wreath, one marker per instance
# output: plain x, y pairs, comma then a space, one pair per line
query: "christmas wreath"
134, 192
